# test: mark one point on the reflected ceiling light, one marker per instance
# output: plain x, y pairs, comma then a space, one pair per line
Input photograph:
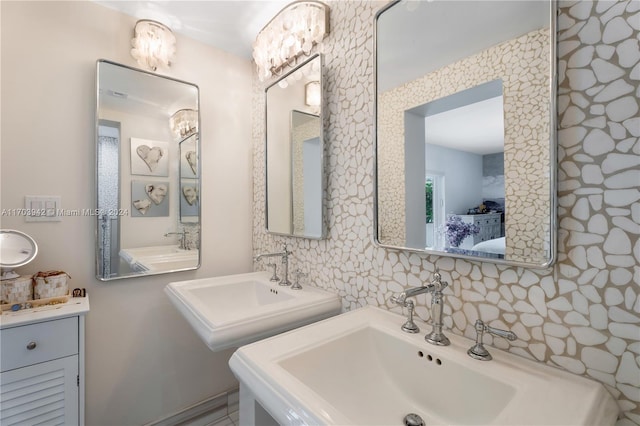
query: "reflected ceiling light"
312, 93
153, 44
290, 34
184, 123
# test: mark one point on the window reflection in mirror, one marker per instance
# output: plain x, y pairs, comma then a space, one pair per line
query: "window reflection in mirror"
295, 153
147, 174
464, 129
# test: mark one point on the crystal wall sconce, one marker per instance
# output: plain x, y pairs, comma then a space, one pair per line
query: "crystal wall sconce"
291, 33
184, 123
153, 44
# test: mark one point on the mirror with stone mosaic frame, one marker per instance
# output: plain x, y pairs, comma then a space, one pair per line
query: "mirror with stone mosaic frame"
449, 193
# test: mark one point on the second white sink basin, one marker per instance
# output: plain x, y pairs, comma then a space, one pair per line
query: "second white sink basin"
233, 310
359, 368
160, 258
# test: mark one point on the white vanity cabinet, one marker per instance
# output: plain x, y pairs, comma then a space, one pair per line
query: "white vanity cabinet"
42, 365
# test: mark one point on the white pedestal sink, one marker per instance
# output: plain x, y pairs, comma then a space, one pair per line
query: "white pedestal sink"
359, 368
233, 310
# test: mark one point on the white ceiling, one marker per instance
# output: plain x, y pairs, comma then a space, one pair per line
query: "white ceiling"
482, 132
415, 38
230, 25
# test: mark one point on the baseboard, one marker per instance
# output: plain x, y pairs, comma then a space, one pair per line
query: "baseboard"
211, 409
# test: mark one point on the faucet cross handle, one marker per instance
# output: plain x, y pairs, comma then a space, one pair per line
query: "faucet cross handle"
478, 351
298, 273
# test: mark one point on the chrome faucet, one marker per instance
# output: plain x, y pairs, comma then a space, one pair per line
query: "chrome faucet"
183, 238
478, 350
285, 262
436, 337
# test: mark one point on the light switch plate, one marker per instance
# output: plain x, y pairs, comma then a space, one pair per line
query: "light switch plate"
42, 208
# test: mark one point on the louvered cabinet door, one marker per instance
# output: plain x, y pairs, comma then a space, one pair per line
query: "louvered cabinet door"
44, 393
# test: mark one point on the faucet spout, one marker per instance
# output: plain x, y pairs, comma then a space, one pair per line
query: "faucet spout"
414, 292
183, 238
260, 256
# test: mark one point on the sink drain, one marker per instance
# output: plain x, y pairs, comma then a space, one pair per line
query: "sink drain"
412, 419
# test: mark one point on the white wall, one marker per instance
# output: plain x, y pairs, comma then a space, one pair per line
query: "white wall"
462, 172
143, 360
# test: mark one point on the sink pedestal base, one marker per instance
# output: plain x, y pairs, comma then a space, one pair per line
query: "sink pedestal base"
251, 412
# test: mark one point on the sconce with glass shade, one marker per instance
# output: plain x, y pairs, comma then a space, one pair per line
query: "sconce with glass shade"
291, 33
153, 44
312, 93
184, 123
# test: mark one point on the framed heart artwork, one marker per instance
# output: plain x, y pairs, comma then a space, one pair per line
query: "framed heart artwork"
149, 199
149, 158
189, 200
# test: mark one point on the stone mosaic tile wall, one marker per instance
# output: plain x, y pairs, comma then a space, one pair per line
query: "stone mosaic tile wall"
525, 85
583, 315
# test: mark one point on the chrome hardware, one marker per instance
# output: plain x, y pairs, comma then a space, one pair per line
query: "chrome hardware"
183, 238
285, 262
478, 350
31, 345
274, 277
298, 274
409, 326
437, 337
412, 419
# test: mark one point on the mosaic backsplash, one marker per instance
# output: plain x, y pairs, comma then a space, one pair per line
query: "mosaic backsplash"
583, 315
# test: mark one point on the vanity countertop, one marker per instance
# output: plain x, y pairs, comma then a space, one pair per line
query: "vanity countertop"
75, 306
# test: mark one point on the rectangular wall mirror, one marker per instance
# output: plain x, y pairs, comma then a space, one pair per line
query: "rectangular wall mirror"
147, 173
465, 129
294, 153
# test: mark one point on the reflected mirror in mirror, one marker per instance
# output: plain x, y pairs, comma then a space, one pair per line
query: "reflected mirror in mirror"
147, 173
295, 153
16, 249
465, 149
